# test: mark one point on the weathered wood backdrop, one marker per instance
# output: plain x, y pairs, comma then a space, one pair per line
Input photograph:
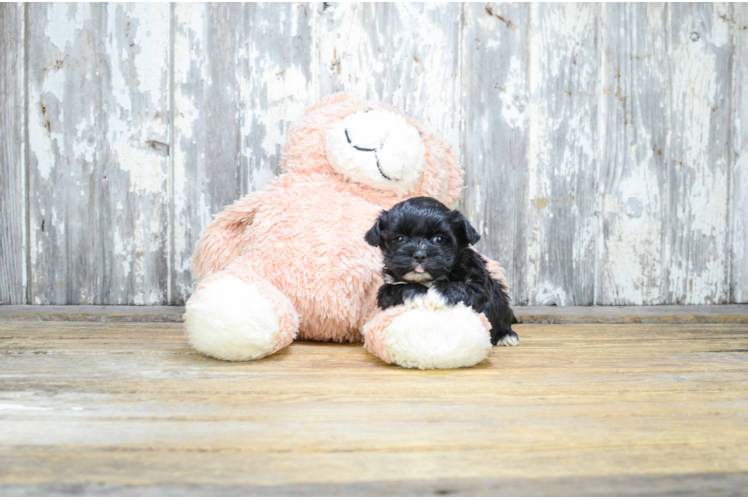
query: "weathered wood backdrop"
602, 143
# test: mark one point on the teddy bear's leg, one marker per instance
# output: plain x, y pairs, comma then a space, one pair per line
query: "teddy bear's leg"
428, 334
237, 315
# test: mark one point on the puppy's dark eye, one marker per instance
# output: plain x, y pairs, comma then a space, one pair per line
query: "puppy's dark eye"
438, 240
400, 239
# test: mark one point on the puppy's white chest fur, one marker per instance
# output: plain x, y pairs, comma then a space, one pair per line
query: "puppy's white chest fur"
431, 300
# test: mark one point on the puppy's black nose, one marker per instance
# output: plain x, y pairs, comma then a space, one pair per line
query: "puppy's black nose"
419, 256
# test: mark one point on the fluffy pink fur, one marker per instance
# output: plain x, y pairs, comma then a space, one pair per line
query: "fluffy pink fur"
303, 235
374, 331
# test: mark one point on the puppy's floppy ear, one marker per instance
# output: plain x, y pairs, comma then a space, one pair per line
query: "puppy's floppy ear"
374, 235
463, 228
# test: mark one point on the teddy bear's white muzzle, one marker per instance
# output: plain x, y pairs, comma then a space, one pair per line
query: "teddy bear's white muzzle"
377, 148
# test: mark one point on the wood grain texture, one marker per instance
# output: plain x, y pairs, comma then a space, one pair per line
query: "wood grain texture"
673, 315
12, 155
634, 142
700, 49
739, 156
561, 220
98, 141
715, 484
122, 406
242, 75
495, 68
404, 54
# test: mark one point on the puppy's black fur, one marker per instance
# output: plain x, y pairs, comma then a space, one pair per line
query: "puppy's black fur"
425, 243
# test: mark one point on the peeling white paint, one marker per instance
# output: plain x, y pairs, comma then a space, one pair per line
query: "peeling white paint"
549, 295
189, 54
720, 32
408, 58
84, 145
697, 252
97, 136
60, 34
146, 168
634, 243
45, 129
562, 148
632, 188
121, 253
261, 178
152, 43
282, 109
513, 101
41, 146
128, 134
411, 56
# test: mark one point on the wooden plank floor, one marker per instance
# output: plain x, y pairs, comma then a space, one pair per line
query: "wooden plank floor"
129, 408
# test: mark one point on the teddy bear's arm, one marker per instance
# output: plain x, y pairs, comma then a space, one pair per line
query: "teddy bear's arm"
222, 241
497, 272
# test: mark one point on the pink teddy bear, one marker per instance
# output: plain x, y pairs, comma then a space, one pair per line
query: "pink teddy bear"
290, 262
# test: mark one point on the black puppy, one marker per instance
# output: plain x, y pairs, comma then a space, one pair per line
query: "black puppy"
426, 245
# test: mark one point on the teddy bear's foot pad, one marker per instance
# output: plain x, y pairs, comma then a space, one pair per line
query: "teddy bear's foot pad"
239, 318
429, 337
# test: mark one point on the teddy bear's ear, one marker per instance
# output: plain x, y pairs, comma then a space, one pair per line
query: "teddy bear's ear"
374, 235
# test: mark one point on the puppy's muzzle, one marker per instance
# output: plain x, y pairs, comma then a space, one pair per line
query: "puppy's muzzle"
418, 277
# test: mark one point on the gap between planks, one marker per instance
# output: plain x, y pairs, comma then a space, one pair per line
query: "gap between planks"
733, 313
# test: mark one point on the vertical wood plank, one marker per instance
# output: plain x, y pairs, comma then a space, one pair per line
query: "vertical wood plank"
206, 126
562, 154
406, 55
135, 198
98, 118
696, 244
739, 134
242, 74
277, 82
633, 178
64, 92
12, 159
495, 80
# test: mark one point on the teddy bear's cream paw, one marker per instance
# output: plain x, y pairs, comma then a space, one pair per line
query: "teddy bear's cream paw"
231, 319
436, 337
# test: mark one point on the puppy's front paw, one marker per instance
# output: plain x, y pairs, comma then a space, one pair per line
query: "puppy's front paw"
510, 340
431, 300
